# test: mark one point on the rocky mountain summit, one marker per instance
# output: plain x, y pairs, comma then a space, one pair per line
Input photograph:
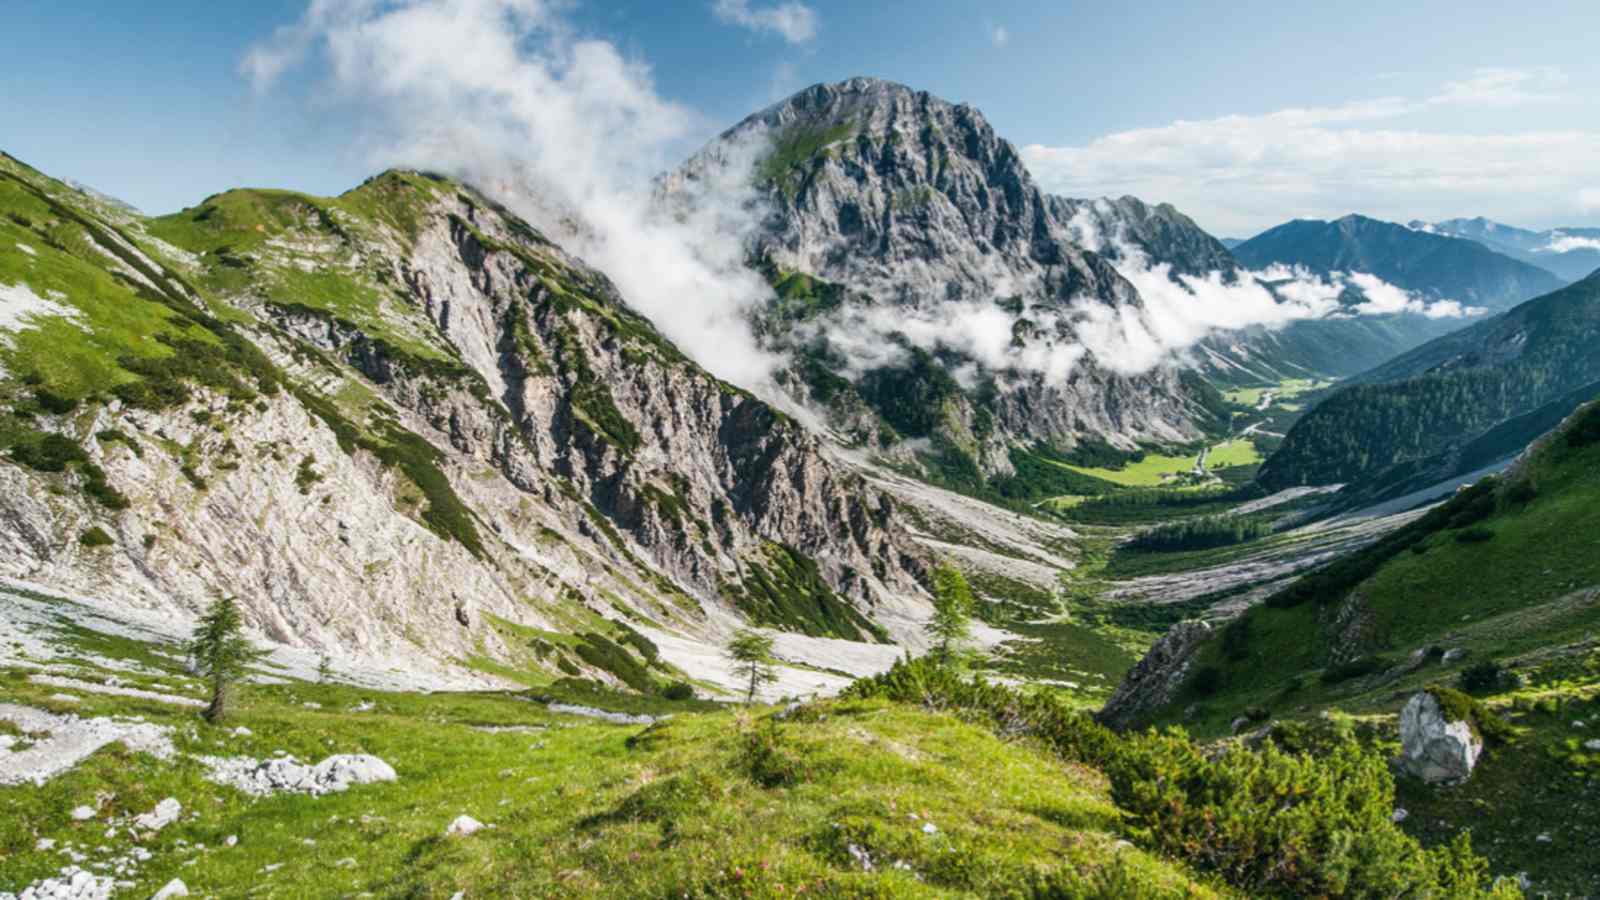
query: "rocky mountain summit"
898, 221
402, 424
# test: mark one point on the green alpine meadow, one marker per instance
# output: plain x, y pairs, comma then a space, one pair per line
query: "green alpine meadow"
772, 449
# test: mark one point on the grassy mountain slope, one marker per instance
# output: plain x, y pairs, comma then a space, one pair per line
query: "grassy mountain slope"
1506, 572
870, 795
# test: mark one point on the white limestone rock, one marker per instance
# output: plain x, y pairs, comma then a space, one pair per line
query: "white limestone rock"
1433, 748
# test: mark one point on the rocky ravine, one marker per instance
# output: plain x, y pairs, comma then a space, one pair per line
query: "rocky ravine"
430, 428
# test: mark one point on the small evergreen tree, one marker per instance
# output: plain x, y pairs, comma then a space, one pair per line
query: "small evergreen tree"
951, 625
751, 652
220, 653
324, 668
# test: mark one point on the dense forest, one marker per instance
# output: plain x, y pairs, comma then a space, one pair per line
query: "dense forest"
1511, 366
1200, 534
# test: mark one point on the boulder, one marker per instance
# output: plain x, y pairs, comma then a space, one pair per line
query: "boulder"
165, 813
464, 825
173, 888
1434, 748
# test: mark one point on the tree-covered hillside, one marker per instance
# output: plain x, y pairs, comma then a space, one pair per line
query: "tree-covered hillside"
1449, 393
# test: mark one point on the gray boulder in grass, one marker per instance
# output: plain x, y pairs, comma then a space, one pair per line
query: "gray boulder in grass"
1434, 748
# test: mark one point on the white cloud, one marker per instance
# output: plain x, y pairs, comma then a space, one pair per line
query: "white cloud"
1175, 314
566, 131
1589, 199
999, 36
795, 22
1498, 87
1566, 243
1238, 174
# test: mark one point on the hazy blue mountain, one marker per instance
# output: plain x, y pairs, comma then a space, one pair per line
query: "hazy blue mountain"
1571, 253
1434, 265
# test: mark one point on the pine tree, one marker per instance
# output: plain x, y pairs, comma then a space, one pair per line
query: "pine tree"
324, 668
220, 653
751, 652
951, 625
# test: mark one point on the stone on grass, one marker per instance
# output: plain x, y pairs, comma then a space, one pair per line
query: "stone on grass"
82, 813
165, 813
173, 888
463, 826
1434, 749
261, 778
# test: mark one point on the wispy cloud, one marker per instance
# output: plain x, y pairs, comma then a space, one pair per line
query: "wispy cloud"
999, 36
1498, 87
1244, 172
795, 22
567, 131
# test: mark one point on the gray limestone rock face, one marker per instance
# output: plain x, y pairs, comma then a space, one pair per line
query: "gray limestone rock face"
1155, 680
1433, 748
914, 205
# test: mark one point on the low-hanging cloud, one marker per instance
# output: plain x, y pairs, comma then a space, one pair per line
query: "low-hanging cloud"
565, 130
1177, 312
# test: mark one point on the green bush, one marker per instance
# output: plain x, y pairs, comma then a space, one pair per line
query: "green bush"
1484, 677
1458, 707
767, 756
1279, 824
603, 653
678, 690
95, 537
1269, 823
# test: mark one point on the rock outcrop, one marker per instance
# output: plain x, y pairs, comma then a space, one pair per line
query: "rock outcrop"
1156, 679
1434, 747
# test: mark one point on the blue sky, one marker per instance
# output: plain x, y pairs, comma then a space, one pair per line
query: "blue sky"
1243, 116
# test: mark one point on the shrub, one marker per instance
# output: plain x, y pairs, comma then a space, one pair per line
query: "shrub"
765, 754
1458, 707
1267, 822
678, 690
1484, 678
95, 537
1279, 824
1475, 535
601, 652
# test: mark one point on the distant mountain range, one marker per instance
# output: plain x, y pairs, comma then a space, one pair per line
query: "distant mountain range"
1571, 253
1436, 266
